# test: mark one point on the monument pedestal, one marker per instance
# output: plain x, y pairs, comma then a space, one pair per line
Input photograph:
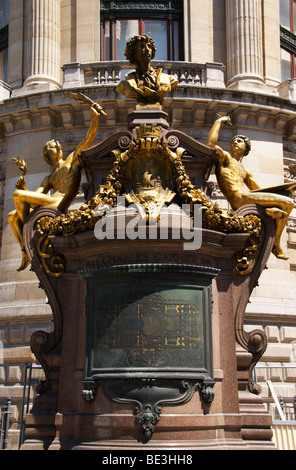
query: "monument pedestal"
148, 350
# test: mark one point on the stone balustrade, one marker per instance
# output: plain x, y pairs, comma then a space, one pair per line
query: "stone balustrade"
210, 74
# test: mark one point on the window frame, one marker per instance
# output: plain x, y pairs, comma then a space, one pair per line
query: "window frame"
141, 30
288, 38
170, 11
3, 48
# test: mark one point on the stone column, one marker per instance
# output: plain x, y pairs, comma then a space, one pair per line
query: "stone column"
15, 46
272, 49
244, 44
42, 35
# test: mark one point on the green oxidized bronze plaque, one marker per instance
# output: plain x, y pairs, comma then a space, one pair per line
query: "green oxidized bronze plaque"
143, 328
148, 336
144, 320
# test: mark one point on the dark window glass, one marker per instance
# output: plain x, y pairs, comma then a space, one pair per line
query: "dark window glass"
158, 30
285, 13
4, 4
286, 63
3, 13
125, 30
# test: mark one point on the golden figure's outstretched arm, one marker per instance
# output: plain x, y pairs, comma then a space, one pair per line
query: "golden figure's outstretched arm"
213, 135
91, 133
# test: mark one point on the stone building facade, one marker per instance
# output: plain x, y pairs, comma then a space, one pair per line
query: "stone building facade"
231, 58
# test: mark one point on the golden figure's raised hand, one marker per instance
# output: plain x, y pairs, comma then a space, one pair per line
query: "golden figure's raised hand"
96, 108
21, 183
85, 99
224, 119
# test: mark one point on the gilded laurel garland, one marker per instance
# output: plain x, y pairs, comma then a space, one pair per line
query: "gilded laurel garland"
149, 147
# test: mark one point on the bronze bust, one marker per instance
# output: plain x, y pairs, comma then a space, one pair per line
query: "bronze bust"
146, 85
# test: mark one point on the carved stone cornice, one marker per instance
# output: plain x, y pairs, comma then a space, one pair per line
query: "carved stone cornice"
157, 7
188, 106
288, 39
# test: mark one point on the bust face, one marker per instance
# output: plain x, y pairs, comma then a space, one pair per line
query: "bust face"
143, 52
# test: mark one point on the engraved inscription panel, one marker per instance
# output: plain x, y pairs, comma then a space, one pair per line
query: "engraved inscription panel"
140, 324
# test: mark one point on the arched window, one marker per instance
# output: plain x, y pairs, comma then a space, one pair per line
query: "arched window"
160, 20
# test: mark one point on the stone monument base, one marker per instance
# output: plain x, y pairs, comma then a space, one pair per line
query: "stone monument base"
89, 402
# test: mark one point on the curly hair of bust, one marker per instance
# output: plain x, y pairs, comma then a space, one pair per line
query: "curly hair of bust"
247, 143
130, 50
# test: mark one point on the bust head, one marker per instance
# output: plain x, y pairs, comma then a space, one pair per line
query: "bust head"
140, 49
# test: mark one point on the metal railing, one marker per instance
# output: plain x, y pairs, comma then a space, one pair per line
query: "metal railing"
5, 416
280, 393
288, 407
28, 380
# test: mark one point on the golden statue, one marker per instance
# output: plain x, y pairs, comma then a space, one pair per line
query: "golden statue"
64, 180
146, 85
239, 187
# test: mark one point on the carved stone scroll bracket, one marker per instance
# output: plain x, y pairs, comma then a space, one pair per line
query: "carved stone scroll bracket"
247, 258
254, 342
43, 343
53, 263
149, 395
